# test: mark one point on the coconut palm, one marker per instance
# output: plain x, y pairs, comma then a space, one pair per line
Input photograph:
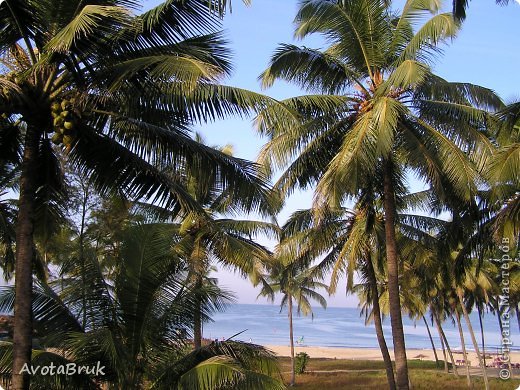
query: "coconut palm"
502, 173
212, 236
297, 287
478, 288
351, 241
376, 110
137, 325
108, 87
292, 275
439, 314
347, 242
200, 282
359, 251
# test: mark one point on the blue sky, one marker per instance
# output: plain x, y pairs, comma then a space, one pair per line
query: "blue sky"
486, 52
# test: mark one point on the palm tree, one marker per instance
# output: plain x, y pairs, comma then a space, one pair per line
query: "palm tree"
137, 326
502, 173
359, 251
349, 241
476, 291
377, 111
211, 236
108, 87
455, 313
438, 314
297, 287
209, 297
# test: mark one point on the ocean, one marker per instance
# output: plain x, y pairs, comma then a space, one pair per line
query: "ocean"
341, 327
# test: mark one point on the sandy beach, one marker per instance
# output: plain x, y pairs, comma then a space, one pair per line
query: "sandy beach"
375, 354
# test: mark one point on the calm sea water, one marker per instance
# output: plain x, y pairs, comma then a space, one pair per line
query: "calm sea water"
339, 327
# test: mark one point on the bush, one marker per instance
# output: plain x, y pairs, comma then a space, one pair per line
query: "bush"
300, 363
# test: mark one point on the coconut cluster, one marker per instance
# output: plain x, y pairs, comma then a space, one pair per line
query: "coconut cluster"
65, 122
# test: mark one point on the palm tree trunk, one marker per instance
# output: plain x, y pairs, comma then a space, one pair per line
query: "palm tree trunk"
197, 331
431, 341
82, 254
291, 338
450, 353
464, 354
480, 315
393, 280
379, 326
22, 335
442, 346
473, 339
197, 317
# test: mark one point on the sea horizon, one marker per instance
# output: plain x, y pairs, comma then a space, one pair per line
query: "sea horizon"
343, 327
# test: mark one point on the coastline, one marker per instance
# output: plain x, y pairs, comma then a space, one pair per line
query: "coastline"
375, 353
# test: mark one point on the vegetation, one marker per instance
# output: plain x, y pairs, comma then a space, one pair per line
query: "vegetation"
69, 76
301, 363
361, 374
296, 288
375, 111
113, 216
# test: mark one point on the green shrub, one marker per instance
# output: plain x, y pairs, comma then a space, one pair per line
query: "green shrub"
300, 363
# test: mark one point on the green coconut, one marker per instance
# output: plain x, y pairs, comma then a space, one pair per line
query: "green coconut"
55, 107
68, 125
57, 138
65, 104
58, 121
65, 114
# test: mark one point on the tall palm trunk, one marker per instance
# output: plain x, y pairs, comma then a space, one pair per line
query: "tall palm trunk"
82, 255
197, 316
473, 338
450, 353
442, 345
393, 280
480, 315
291, 338
431, 341
22, 335
197, 328
464, 354
379, 326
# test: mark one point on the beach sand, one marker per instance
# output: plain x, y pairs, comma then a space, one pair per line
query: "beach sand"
375, 354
